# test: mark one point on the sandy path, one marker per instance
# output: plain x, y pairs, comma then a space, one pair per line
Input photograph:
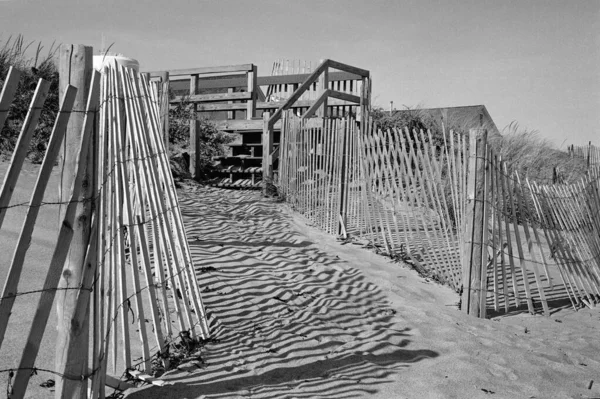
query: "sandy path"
298, 315
32, 278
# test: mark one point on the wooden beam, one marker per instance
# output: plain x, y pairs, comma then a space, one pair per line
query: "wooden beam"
332, 102
267, 162
224, 81
317, 105
344, 96
275, 154
252, 92
323, 87
199, 98
193, 128
298, 93
206, 70
76, 69
348, 68
257, 124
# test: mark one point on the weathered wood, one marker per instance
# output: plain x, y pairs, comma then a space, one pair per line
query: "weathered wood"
167, 180
475, 222
164, 107
267, 142
193, 143
261, 105
298, 93
344, 96
348, 68
75, 68
322, 88
11, 82
206, 70
14, 272
514, 206
137, 126
239, 80
317, 106
253, 92
215, 97
22, 146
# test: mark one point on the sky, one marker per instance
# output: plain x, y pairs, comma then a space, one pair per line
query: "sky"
529, 61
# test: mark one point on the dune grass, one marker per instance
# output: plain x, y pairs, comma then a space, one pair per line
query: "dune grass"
34, 63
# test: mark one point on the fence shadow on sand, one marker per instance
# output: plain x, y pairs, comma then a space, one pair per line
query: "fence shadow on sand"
289, 319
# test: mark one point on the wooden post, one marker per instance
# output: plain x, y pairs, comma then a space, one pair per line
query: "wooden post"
475, 223
230, 113
193, 148
342, 211
267, 143
164, 107
322, 86
253, 90
75, 69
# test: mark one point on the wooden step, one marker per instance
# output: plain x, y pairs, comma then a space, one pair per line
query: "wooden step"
240, 170
241, 125
239, 184
233, 158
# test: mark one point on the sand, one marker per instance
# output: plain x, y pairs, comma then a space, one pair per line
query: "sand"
299, 315
296, 314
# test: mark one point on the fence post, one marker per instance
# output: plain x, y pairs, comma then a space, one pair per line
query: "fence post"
322, 86
347, 125
474, 223
164, 107
267, 145
75, 68
193, 146
253, 89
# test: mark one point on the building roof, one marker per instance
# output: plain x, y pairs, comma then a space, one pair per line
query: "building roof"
460, 118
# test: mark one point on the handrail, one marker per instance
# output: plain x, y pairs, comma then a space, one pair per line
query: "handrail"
312, 78
206, 70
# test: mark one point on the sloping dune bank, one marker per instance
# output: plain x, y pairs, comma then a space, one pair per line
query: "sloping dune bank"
296, 314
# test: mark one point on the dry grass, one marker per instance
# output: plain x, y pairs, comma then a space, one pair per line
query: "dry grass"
535, 157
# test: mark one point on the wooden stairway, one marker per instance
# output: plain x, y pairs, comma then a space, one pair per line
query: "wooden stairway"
241, 167
225, 93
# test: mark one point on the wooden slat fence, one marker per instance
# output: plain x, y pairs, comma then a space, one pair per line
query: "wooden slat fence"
138, 293
590, 153
450, 207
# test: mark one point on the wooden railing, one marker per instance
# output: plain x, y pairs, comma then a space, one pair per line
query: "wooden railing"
320, 76
237, 88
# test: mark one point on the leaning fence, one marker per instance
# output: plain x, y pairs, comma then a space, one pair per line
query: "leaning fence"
453, 209
137, 295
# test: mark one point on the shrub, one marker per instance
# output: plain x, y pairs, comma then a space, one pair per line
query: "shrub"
211, 141
535, 158
14, 53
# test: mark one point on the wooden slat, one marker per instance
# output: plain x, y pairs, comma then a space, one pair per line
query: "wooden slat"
344, 96
206, 70
298, 93
199, 98
22, 146
11, 82
14, 271
348, 68
61, 250
266, 105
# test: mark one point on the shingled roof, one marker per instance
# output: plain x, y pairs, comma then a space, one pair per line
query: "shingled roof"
460, 118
